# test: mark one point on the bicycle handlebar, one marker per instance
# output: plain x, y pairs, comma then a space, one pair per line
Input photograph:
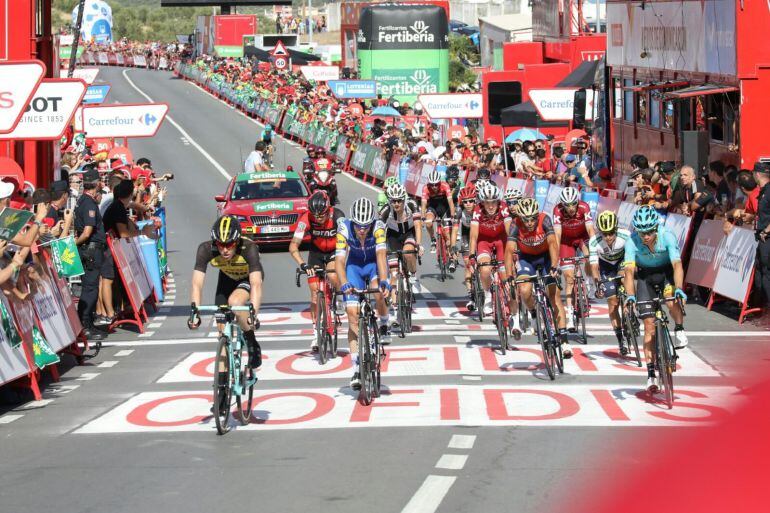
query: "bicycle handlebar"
320, 271
574, 260
659, 300
401, 252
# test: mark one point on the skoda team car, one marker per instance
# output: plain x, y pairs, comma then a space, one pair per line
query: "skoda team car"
268, 204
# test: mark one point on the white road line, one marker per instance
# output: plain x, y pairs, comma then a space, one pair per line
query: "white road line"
57, 389
108, 364
37, 404
7, 419
462, 340
212, 334
146, 334
124, 352
159, 318
155, 325
452, 321
182, 131
429, 496
452, 461
87, 376
170, 297
462, 442
471, 378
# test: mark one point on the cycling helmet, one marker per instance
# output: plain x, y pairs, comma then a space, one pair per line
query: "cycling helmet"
607, 221
483, 174
513, 194
268, 128
452, 173
396, 191
490, 192
527, 207
318, 204
389, 181
289, 168
362, 212
569, 196
467, 193
226, 229
646, 219
434, 177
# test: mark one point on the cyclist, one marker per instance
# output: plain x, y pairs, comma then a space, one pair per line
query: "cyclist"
490, 225
454, 181
382, 197
403, 222
606, 250
436, 204
267, 138
573, 227
462, 227
653, 258
512, 197
239, 281
320, 221
482, 175
361, 257
532, 241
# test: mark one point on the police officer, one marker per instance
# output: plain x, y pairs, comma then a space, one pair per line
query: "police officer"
762, 276
92, 241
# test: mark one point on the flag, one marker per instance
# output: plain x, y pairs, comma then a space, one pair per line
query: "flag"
9, 328
66, 257
44, 355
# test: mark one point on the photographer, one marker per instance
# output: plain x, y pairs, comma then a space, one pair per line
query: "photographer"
762, 177
746, 207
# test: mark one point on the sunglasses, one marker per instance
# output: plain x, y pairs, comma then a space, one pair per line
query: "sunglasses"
647, 233
396, 201
361, 227
469, 202
229, 245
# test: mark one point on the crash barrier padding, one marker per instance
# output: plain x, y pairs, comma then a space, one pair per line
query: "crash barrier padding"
367, 161
48, 311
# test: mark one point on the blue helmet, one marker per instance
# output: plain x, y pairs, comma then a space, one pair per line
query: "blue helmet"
646, 219
268, 128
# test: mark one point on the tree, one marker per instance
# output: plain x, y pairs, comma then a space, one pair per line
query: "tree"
462, 55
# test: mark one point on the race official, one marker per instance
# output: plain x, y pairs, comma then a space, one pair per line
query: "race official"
91, 241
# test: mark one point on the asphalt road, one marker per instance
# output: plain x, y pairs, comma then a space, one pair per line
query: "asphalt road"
461, 429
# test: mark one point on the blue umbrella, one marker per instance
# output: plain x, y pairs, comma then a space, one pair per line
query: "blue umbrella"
386, 111
525, 134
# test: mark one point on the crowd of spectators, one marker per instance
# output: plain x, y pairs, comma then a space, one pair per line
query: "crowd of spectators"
299, 25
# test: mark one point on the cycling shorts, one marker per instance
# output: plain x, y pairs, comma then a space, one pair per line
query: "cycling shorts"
396, 241
528, 265
491, 248
567, 249
608, 271
647, 281
359, 277
226, 286
439, 206
317, 258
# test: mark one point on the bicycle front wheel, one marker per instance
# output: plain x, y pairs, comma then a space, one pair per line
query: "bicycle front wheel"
478, 296
223, 379
544, 337
584, 308
665, 361
500, 321
401, 301
556, 354
377, 355
321, 324
365, 361
630, 334
441, 255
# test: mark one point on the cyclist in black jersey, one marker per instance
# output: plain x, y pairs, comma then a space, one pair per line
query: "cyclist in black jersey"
461, 230
240, 277
403, 223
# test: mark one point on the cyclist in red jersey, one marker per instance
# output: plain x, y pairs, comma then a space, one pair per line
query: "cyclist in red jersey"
490, 225
320, 221
437, 203
533, 243
573, 226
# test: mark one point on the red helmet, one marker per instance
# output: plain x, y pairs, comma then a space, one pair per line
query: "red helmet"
467, 192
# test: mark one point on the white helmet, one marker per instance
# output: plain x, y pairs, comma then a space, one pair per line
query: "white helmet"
513, 194
569, 196
362, 212
489, 192
480, 183
395, 191
434, 177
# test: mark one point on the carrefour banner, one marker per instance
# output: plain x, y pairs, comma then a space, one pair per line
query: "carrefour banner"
405, 49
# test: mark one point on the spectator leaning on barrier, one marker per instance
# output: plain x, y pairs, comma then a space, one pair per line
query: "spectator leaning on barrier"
746, 205
721, 191
691, 197
762, 177
57, 209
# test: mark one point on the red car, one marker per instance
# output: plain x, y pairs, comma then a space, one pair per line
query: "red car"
268, 204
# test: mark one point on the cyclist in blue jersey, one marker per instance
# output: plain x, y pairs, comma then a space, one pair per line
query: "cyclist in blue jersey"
361, 257
267, 138
653, 258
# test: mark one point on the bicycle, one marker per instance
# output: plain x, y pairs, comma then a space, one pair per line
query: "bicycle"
269, 155
628, 322
326, 331
500, 310
370, 351
545, 325
232, 375
581, 308
404, 295
442, 247
664, 351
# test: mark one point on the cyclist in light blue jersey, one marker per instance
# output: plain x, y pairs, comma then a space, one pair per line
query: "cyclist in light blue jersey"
361, 257
652, 256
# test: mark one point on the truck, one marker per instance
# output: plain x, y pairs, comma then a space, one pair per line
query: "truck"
222, 35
